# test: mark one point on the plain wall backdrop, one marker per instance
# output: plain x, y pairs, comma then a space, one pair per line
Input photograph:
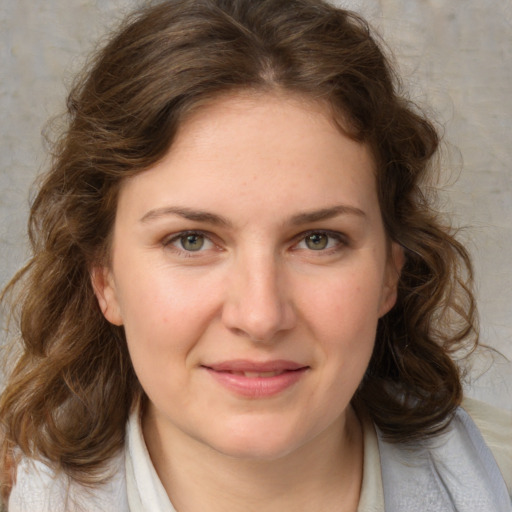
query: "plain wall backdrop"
455, 58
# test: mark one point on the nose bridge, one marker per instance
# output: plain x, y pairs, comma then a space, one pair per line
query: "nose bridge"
258, 303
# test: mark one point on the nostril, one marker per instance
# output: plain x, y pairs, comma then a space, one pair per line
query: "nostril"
238, 332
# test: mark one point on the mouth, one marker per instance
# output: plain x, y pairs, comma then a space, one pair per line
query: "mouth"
254, 375
261, 367
251, 379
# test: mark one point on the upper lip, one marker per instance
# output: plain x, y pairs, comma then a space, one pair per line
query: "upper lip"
242, 365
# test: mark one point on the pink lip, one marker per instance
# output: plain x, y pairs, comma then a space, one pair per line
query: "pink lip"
230, 374
243, 365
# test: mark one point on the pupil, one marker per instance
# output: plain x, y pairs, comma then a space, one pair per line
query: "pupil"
316, 241
192, 242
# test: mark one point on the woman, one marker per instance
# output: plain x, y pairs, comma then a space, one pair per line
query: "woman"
240, 297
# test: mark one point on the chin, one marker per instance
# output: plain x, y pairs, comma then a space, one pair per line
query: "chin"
257, 442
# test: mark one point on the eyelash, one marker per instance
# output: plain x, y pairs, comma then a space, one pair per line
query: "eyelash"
340, 239
169, 242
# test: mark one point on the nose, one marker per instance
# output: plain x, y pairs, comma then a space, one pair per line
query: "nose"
258, 303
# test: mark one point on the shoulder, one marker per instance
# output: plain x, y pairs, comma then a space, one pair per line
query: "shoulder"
495, 425
455, 470
36, 488
39, 488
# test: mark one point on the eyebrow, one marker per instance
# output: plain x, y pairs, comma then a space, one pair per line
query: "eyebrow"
326, 213
218, 220
186, 213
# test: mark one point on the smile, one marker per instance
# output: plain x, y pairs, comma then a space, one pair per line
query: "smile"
256, 380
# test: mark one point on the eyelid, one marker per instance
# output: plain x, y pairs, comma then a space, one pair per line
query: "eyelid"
341, 238
168, 241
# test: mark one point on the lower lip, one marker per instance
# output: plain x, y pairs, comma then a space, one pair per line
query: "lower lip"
257, 387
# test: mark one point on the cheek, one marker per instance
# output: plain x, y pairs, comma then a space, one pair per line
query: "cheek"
346, 307
165, 314
344, 317
157, 320
162, 330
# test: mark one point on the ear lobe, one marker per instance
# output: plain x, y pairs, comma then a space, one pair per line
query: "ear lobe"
395, 263
106, 294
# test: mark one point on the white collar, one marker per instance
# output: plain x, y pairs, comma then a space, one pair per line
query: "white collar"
145, 491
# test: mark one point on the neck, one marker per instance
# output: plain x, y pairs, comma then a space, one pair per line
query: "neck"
325, 474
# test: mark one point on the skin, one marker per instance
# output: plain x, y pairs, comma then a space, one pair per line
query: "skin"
269, 171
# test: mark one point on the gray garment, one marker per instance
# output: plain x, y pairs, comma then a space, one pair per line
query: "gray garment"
454, 472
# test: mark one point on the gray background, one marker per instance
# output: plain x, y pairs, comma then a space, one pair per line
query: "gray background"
455, 57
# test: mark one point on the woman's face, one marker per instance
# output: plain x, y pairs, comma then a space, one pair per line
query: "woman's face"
249, 269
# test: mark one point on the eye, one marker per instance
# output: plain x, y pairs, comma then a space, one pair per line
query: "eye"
190, 241
321, 240
317, 241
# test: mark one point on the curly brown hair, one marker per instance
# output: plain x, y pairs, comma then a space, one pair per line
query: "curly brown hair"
70, 393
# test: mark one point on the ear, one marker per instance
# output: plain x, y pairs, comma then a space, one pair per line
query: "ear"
396, 260
105, 290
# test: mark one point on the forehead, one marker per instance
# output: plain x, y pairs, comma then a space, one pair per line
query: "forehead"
270, 148
248, 106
